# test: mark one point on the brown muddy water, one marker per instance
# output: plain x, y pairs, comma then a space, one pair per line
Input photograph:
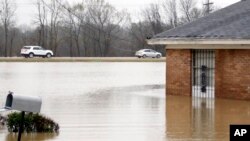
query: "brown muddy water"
117, 102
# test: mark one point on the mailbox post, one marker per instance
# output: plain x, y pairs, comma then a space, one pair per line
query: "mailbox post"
23, 104
20, 131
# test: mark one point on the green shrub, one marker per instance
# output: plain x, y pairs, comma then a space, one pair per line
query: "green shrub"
32, 123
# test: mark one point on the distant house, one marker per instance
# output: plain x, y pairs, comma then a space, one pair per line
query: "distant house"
210, 57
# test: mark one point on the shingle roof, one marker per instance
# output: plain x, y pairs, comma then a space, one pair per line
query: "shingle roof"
232, 22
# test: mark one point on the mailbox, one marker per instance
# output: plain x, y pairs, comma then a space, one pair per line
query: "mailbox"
23, 103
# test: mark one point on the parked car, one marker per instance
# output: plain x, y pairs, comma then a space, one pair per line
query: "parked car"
148, 53
31, 51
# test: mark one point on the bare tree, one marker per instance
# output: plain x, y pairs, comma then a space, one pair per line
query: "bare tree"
90, 28
152, 15
150, 25
12, 39
104, 19
170, 8
99, 11
7, 8
138, 33
76, 18
187, 6
41, 20
79, 10
68, 30
196, 13
55, 9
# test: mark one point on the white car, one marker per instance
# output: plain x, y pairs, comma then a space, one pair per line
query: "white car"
148, 53
31, 51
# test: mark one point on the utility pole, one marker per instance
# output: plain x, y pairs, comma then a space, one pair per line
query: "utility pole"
208, 6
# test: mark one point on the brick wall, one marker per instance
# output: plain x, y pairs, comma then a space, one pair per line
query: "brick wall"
233, 74
178, 72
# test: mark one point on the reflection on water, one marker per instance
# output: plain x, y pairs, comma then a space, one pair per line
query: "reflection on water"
203, 119
110, 114
92, 101
111, 102
31, 137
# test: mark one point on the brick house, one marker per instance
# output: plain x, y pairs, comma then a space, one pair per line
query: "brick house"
210, 57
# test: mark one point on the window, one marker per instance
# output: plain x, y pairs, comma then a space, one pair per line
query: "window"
36, 48
26, 47
203, 74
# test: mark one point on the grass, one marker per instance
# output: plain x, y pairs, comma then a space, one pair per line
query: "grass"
81, 59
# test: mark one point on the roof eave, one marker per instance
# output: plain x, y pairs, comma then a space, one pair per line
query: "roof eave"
164, 41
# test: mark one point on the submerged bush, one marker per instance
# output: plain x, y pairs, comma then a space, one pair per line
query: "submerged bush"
32, 123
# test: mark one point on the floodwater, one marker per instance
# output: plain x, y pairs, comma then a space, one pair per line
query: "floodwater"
117, 101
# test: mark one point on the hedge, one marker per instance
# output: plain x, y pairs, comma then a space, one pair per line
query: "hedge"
32, 123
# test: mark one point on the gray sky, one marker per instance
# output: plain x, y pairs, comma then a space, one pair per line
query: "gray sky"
26, 9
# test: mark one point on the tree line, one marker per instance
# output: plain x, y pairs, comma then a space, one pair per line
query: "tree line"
92, 28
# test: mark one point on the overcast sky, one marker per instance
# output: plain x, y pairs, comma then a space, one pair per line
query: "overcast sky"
26, 9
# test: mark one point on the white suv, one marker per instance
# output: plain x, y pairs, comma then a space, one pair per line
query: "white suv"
31, 51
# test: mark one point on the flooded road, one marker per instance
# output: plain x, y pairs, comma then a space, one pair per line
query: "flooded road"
117, 101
